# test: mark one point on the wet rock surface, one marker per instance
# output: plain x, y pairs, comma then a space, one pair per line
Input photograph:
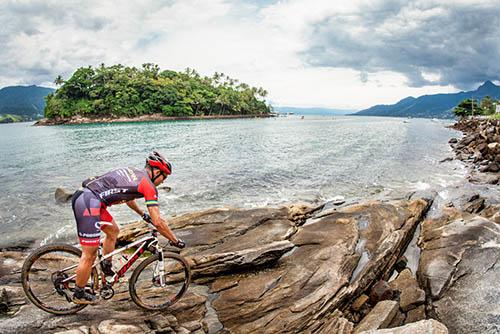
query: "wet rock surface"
261, 270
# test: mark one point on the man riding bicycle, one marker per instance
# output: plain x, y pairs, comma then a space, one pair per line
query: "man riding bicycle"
122, 185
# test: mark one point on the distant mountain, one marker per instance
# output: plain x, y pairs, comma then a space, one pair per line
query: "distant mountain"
312, 111
25, 101
431, 106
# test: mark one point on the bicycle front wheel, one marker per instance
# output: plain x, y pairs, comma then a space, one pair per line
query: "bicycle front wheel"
46, 278
149, 291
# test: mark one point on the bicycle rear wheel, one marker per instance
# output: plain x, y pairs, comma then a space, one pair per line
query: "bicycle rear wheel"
145, 285
43, 274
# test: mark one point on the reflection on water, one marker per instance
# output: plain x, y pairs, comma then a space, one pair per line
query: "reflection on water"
219, 162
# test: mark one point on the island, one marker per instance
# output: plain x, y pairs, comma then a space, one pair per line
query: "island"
119, 93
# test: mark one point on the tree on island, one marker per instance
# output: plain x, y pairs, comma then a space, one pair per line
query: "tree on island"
118, 90
470, 107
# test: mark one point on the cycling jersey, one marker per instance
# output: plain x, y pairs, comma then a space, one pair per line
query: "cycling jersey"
122, 185
117, 186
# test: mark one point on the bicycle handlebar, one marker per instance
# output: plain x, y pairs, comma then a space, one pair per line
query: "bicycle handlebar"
179, 244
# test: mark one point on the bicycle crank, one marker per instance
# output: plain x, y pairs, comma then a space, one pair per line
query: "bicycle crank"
107, 292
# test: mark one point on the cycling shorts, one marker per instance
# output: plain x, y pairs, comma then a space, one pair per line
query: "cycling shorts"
89, 213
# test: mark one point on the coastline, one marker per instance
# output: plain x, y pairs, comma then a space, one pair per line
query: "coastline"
143, 118
459, 220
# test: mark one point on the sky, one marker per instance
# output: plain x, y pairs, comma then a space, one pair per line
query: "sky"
305, 53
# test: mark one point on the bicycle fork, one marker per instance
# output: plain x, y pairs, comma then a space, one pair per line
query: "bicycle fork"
160, 267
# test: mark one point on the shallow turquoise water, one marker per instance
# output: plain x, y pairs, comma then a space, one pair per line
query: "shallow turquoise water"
242, 163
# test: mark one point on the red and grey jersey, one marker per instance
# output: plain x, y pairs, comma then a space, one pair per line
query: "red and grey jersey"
122, 185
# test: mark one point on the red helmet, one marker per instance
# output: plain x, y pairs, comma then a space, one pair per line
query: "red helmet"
157, 160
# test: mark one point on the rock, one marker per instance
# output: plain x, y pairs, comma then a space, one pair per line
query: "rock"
401, 264
4, 302
469, 202
415, 315
192, 325
446, 159
256, 270
71, 331
159, 322
453, 141
381, 291
398, 320
182, 330
403, 281
459, 268
493, 167
63, 195
310, 283
336, 323
218, 263
484, 178
113, 327
299, 212
380, 317
359, 302
422, 327
411, 297
493, 146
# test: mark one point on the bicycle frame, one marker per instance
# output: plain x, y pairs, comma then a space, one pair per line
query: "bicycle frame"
144, 243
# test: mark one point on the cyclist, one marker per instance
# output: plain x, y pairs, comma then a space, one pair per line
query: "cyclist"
122, 185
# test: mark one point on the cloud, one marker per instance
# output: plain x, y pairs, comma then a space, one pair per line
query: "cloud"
304, 53
429, 42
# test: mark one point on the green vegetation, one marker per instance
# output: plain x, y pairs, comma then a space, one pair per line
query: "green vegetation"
471, 107
10, 118
128, 91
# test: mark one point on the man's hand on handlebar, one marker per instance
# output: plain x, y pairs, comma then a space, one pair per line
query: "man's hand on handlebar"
147, 218
179, 243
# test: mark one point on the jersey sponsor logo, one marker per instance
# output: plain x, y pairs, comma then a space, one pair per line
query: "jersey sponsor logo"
113, 191
89, 235
132, 174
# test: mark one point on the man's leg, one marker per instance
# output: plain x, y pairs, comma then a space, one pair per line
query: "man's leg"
84, 268
80, 296
111, 231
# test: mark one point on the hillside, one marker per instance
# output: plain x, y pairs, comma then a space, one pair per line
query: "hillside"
25, 101
431, 106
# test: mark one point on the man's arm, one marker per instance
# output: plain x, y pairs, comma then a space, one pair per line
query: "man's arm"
160, 224
133, 205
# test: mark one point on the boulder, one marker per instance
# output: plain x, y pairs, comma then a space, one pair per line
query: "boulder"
114, 327
63, 195
381, 291
380, 317
411, 297
415, 315
422, 327
458, 267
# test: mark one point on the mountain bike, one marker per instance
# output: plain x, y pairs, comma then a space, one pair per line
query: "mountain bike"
48, 276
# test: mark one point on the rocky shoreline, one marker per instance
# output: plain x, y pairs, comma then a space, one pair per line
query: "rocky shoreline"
144, 118
425, 263
480, 147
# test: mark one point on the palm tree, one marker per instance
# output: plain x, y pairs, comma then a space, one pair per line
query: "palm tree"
59, 80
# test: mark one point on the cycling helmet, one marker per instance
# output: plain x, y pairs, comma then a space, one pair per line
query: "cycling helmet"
156, 160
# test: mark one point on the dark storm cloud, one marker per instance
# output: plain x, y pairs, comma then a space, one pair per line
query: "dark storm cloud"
459, 44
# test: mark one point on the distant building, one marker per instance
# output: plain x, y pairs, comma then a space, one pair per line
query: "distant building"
498, 109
